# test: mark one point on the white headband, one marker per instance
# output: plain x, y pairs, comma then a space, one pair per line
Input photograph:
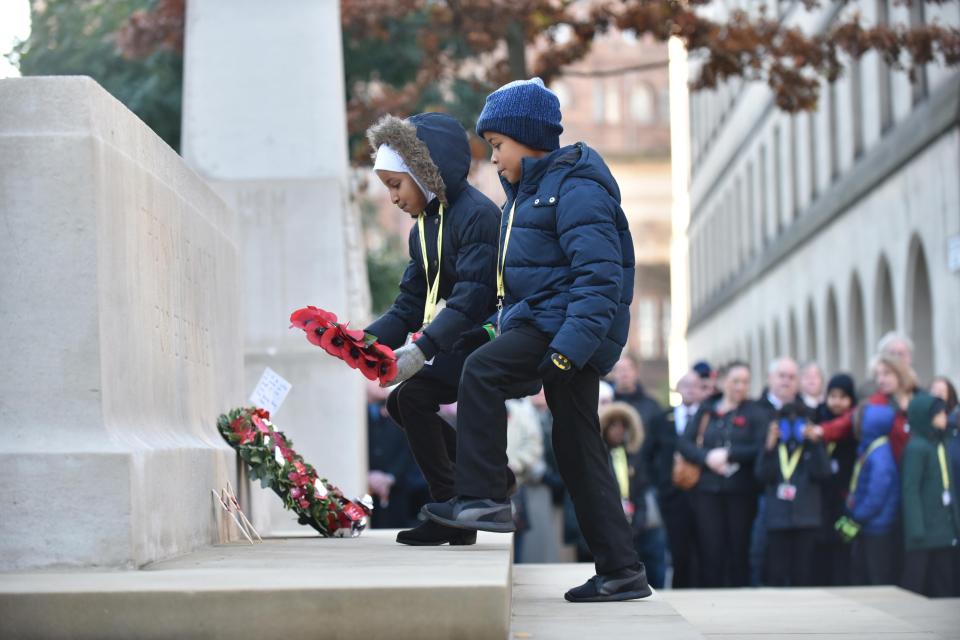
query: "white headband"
389, 160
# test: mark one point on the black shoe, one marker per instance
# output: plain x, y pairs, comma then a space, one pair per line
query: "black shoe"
481, 514
626, 584
431, 534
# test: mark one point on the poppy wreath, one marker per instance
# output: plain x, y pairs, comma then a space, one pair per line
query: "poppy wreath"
271, 458
358, 349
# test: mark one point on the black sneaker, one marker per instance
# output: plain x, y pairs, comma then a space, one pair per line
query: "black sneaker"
482, 514
431, 534
626, 584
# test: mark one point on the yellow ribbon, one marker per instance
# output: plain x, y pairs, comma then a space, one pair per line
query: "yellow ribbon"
942, 455
788, 465
622, 471
856, 468
433, 289
502, 255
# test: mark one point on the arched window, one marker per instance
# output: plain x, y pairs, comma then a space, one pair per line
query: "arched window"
793, 339
885, 318
812, 350
642, 108
857, 330
919, 311
833, 334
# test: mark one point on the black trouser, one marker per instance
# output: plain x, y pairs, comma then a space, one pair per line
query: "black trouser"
414, 405
833, 563
724, 522
790, 557
682, 539
489, 375
931, 572
874, 559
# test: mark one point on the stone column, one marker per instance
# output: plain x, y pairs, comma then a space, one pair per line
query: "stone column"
119, 296
264, 122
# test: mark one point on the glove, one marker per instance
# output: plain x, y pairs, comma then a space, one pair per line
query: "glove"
556, 368
474, 339
409, 361
847, 528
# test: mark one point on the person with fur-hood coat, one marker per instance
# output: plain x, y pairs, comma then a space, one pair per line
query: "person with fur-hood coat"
446, 291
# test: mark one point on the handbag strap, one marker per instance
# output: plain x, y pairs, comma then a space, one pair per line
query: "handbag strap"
702, 428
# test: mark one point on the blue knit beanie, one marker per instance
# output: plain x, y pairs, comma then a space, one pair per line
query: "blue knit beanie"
526, 111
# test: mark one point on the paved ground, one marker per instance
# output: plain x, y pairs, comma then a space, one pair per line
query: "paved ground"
883, 613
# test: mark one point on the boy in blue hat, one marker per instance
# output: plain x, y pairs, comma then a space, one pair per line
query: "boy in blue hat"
565, 273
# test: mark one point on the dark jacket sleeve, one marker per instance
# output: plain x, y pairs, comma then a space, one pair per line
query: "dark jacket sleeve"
819, 462
747, 450
650, 449
406, 314
687, 443
912, 497
768, 466
473, 294
586, 226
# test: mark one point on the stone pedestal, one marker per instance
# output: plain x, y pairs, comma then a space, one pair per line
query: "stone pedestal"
264, 123
121, 335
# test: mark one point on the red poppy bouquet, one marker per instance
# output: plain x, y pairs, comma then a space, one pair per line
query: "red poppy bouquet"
272, 460
358, 349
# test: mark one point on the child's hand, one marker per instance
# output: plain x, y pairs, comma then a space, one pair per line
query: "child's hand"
773, 436
813, 433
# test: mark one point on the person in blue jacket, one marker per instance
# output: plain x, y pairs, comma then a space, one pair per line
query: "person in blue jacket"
565, 274
873, 504
446, 290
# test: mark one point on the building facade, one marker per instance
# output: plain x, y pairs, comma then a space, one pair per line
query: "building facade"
812, 235
617, 100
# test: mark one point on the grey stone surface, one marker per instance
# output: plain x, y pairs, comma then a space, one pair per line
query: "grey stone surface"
539, 612
119, 308
367, 587
264, 123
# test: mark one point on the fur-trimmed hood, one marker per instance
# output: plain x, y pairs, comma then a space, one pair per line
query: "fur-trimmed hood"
434, 146
633, 437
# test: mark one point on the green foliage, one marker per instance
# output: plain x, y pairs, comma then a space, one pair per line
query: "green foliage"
384, 269
78, 37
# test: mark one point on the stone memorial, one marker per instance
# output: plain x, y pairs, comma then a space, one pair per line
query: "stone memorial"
120, 307
264, 124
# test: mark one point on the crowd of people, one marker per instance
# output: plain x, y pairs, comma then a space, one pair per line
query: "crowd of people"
818, 481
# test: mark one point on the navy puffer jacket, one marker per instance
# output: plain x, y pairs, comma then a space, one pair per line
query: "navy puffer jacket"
435, 147
569, 266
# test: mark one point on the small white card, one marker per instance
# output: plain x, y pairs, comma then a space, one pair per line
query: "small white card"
271, 391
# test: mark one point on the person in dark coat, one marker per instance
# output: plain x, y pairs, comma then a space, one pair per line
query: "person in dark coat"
792, 467
931, 519
943, 388
658, 451
394, 480
627, 388
725, 438
565, 277
446, 290
873, 504
834, 421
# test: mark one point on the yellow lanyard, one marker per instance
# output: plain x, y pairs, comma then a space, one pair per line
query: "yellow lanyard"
788, 464
433, 290
502, 256
856, 468
622, 471
942, 454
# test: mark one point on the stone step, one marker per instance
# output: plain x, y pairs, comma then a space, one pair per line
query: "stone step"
540, 612
887, 613
368, 587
